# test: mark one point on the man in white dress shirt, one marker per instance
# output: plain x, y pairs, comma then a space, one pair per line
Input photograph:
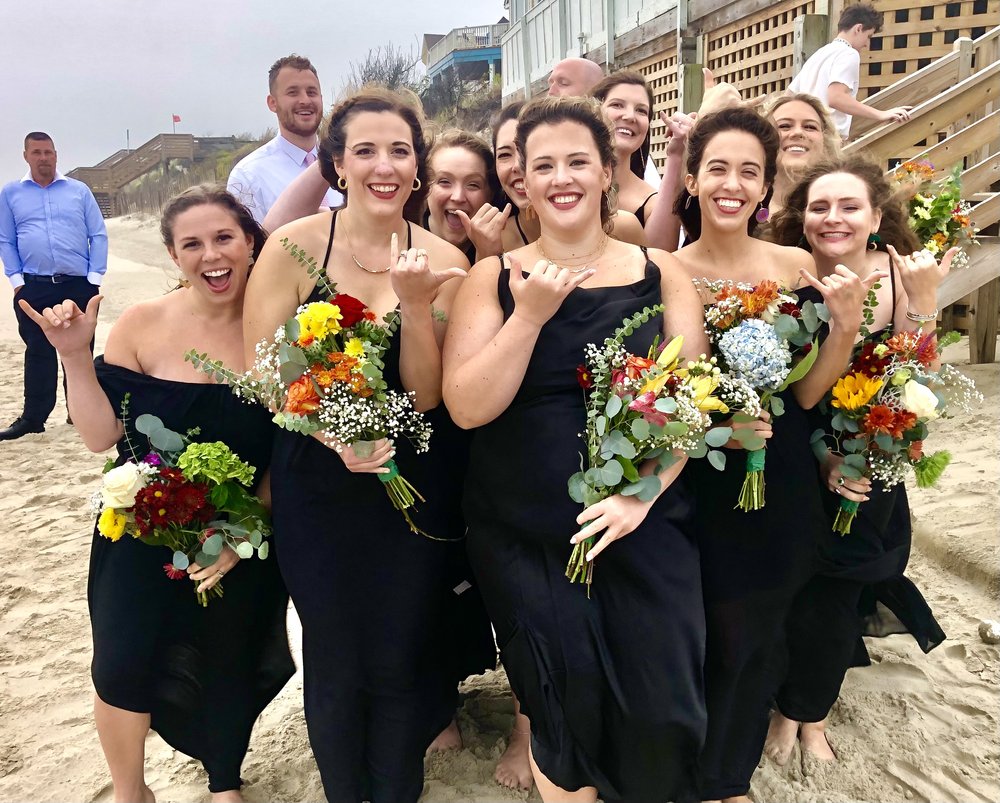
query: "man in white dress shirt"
296, 99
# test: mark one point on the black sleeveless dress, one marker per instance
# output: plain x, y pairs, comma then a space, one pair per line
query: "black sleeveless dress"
203, 674
390, 619
859, 589
612, 684
753, 564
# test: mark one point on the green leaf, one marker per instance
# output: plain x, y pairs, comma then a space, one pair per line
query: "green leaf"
613, 407
777, 406
219, 495
822, 312
801, 368
628, 469
213, 544
166, 440
885, 442
748, 439
292, 354
147, 423
203, 559
640, 429
717, 459
256, 538
575, 486
180, 561
853, 445
665, 405
675, 428
855, 461
645, 489
244, 549
264, 550
718, 436
850, 472
809, 316
601, 425
612, 473
786, 327
698, 451
667, 459
292, 329
743, 418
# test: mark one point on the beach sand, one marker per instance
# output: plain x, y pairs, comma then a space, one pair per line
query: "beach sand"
910, 727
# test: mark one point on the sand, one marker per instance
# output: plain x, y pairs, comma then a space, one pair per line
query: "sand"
910, 727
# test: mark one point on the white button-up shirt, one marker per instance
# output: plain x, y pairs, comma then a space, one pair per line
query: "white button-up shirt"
260, 177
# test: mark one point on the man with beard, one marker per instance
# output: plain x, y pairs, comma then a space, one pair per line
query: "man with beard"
297, 101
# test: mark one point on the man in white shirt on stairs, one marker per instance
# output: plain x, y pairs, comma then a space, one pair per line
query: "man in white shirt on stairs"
296, 99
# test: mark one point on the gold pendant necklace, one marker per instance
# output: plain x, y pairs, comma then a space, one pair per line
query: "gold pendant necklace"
597, 254
350, 247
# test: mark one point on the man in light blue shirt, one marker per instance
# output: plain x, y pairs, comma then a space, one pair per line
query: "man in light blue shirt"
54, 248
296, 99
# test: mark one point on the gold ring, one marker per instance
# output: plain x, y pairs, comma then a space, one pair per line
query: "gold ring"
221, 573
840, 480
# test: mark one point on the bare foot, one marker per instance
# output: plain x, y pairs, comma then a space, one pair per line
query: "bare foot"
448, 739
145, 796
813, 739
781, 735
513, 769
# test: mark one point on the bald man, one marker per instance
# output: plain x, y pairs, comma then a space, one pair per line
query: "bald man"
576, 78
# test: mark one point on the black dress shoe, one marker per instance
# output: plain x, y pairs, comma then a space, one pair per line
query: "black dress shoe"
21, 426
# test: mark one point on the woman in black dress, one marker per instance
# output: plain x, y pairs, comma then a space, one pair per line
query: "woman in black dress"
199, 677
378, 603
611, 684
627, 101
753, 563
837, 208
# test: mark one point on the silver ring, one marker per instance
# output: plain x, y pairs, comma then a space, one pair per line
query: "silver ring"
837, 490
220, 574
840, 480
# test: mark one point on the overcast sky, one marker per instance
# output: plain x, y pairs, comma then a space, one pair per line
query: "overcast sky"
87, 71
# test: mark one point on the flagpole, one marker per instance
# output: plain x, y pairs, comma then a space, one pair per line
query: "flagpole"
173, 123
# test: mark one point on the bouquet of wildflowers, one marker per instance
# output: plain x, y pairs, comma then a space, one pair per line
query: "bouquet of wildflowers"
881, 408
938, 215
192, 498
756, 332
638, 409
322, 374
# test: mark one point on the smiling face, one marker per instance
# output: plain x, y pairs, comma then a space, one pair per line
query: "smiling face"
730, 180
508, 167
839, 216
379, 162
297, 101
212, 252
564, 176
801, 133
458, 182
627, 106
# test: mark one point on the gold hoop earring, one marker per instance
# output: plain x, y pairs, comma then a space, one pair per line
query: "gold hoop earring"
417, 184
341, 183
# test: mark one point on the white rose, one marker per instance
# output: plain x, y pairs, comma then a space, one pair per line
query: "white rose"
919, 400
121, 486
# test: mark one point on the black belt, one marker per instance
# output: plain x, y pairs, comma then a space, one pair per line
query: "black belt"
55, 278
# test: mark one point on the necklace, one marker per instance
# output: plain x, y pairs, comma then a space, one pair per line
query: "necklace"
356, 261
595, 255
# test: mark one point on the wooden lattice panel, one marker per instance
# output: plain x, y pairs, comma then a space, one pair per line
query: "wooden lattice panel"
914, 35
660, 72
755, 53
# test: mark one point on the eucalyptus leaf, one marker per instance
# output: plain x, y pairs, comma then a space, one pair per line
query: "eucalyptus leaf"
601, 425
147, 423
817, 435
645, 489
213, 544
180, 561
264, 550
640, 429
786, 327
698, 451
718, 436
809, 316
743, 418
613, 407
855, 461
852, 445
885, 442
675, 428
850, 472
289, 372
667, 459
749, 439
822, 312
717, 459
777, 406
801, 368
203, 559
628, 469
256, 538
665, 405
244, 549
612, 473
293, 354
292, 329
575, 487
166, 440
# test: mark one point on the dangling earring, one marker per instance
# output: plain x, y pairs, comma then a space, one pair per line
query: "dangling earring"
250, 262
341, 183
874, 241
687, 203
417, 184
762, 214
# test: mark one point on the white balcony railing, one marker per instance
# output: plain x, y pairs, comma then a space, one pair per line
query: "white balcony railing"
466, 39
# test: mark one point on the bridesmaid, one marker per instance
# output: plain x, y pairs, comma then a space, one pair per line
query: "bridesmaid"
846, 213
198, 676
627, 101
611, 684
379, 604
753, 563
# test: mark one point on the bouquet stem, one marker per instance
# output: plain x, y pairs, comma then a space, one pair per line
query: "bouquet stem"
402, 494
205, 596
845, 516
752, 493
579, 569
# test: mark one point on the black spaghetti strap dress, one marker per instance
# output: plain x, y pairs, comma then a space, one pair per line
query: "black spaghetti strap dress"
753, 564
859, 589
203, 674
382, 608
612, 684
640, 213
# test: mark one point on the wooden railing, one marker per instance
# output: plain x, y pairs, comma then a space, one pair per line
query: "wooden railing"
466, 39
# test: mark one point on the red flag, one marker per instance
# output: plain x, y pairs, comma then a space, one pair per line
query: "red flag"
177, 118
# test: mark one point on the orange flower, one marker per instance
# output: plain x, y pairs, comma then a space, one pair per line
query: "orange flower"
302, 396
635, 367
321, 376
757, 300
880, 419
359, 386
916, 450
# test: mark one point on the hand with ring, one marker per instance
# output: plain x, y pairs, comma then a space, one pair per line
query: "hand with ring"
414, 283
208, 577
854, 490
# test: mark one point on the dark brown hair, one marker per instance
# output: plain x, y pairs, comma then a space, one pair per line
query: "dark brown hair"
639, 158
583, 111
37, 136
376, 99
293, 61
508, 112
863, 13
687, 206
894, 229
474, 144
214, 195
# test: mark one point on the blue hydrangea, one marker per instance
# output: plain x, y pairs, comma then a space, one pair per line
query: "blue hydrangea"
755, 353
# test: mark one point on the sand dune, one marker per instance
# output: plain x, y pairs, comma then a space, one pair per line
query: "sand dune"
910, 727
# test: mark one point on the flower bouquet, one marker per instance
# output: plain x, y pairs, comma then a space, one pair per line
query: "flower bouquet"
881, 408
937, 214
192, 498
322, 374
757, 331
638, 409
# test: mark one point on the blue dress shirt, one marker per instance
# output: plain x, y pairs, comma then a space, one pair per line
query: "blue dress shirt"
51, 230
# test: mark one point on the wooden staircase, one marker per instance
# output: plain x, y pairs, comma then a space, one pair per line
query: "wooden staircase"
955, 120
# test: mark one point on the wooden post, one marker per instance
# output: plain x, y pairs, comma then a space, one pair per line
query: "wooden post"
690, 79
809, 35
984, 310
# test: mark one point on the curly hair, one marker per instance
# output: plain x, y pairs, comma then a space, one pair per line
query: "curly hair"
787, 228
637, 162
474, 144
376, 99
583, 111
210, 195
687, 206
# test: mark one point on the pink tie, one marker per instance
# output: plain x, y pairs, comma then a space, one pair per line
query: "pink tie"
310, 158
